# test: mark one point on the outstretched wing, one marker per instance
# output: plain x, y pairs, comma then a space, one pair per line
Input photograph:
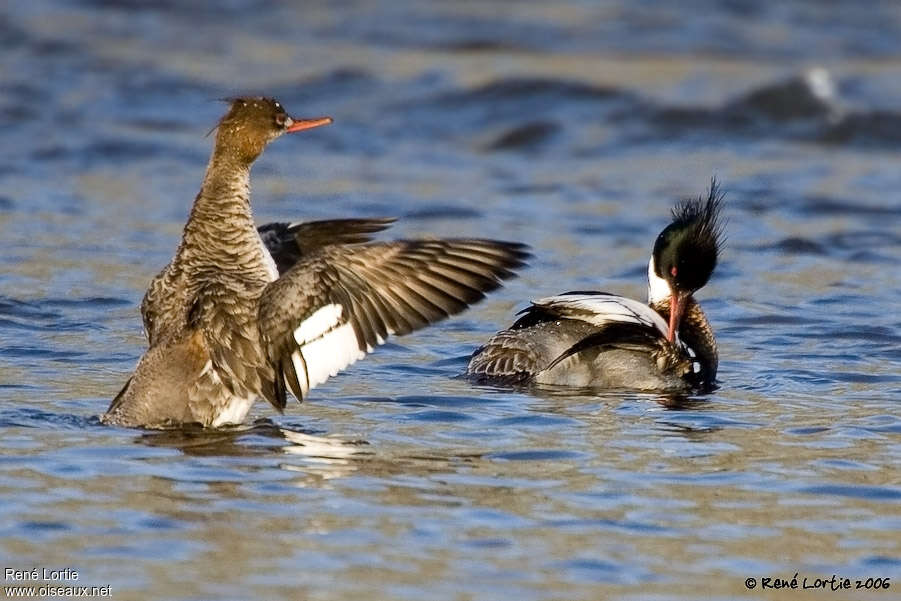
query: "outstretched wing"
341, 302
289, 242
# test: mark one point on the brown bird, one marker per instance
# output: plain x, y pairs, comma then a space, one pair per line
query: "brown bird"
241, 313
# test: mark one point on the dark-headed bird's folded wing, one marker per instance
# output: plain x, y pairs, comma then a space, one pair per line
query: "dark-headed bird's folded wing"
341, 302
554, 328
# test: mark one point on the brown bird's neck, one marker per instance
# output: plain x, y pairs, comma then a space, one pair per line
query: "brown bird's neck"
220, 229
226, 182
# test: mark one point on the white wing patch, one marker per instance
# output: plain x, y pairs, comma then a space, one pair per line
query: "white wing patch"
325, 347
318, 324
602, 309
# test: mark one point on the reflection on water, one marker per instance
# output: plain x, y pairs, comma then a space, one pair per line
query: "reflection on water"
571, 126
317, 457
322, 457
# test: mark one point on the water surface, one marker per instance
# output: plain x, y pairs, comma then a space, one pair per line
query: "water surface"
573, 127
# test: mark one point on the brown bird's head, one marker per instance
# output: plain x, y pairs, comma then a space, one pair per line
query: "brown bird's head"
254, 121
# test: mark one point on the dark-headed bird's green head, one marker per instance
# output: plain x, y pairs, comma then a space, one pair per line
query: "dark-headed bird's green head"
686, 252
252, 122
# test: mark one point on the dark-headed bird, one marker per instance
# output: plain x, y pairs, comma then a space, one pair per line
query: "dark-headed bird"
602, 340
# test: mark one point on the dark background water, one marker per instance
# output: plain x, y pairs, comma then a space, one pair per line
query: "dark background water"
572, 126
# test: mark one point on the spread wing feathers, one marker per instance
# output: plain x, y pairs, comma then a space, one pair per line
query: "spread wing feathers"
288, 242
596, 308
338, 304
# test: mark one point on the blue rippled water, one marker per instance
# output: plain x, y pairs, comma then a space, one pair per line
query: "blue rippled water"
571, 126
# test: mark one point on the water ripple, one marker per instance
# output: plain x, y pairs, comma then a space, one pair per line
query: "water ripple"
572, 127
